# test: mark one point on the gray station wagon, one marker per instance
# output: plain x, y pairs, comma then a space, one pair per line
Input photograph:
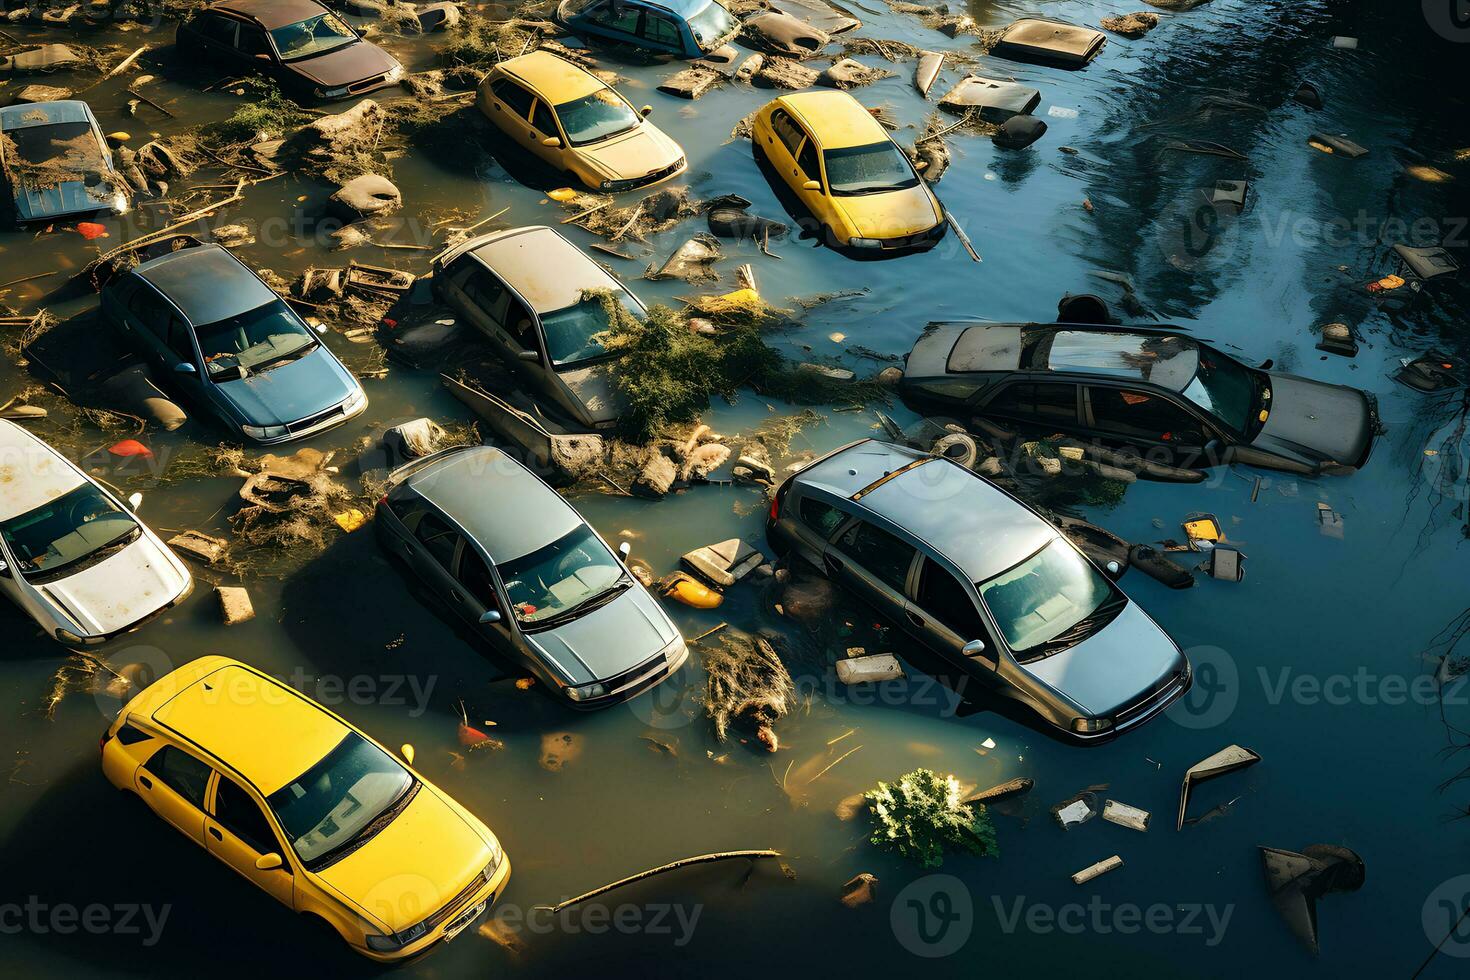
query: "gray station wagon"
988, 583
519, 565
527, 290
1155, 390
229, 345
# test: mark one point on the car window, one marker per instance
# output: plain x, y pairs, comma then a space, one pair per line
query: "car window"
178, 339
216, 28
943, 597
181, 772
807, 161
521, 326
240, 814
786, 130
517, 98
251, 41
1144, 415
661, 30
474, 575
543, 121
438, 538
616, 16
879, 552
820, 517
151, 309
311, 37
1051, 401
487, 292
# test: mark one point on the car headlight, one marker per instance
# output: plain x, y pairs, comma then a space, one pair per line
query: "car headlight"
354, 401
395, 73
68, 637
331, 93
1091, 726
263, 432
864, 243
586, 692
395, 942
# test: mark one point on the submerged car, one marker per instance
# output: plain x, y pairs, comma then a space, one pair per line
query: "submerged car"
231, 346
56, 162
1151, 389
845, 169
304, 47
522, 568
306, 807
577, 123
686, 28
985, 581
74, 557
536, 296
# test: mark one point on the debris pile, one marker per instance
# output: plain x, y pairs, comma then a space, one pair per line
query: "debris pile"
749, 684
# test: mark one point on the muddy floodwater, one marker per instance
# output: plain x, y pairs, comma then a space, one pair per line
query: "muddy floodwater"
1335, 658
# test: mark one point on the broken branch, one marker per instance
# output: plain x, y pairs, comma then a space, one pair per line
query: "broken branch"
671, 866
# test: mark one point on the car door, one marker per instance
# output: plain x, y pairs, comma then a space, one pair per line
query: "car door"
174, 783
661, 33
215, 33
253, 51
544, 127
616, 20
946, 616
145, 320
477, 594
816, 521
809, 170
238, 832
1144, 417
874, 563
436, 546
511, 111
1045, 403
782, 143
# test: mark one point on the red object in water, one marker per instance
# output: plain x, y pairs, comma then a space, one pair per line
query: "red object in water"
131, 447
91, 229
471, 737
390, 323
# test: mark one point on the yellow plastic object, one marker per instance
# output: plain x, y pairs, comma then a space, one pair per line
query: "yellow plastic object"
350, 520
1203, 528
692, 593
561, 194
118, 137
1390, 282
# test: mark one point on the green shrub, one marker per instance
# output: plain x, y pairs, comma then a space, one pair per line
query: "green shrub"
921, 816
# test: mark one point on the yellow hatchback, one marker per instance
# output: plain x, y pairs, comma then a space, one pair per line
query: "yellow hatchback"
842, 166
306, 807
577, 123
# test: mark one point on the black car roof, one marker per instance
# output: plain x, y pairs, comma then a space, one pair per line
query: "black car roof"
1162, 356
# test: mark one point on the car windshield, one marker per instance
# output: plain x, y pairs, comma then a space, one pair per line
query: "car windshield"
1225, 388
572, 333
554, 580
68, 530
340, 797
870, 169
596, 117
44, 156
253, 341
1044, 596
310, 37
711, 24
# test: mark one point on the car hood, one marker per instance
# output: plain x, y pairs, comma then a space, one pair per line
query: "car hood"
1115, 667
291, 391
640, 151
891, 215
1316, 419
347, 64
607, 641
414, 866
67, 198
592, 387
122, 589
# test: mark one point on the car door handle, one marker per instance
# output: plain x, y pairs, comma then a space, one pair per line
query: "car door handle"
214, 832
833, 565
454, 594
147, 783
916, 619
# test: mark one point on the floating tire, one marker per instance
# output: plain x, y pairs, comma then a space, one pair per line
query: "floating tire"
959, 447
1153, 564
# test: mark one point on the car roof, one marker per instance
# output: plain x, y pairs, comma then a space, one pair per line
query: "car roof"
25, 115
31, 472
548, 272
959, 515
505, 507
835, 119
271, 14
1169, 361
557, 79
265, 731
207, 283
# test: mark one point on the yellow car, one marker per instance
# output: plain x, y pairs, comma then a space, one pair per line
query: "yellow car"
577, 123
306, 807
842, 166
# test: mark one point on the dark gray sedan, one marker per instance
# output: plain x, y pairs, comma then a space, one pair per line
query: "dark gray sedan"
985, 581
522, 568
228, 344
1169, 396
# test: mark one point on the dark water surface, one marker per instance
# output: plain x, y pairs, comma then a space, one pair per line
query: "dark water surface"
1316, 660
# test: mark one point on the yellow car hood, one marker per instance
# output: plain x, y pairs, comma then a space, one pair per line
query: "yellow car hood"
414, 866
891, 215
641, 151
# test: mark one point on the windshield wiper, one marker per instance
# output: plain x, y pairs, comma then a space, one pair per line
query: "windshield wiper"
370, 830
587, 605
1078, 631
292, 355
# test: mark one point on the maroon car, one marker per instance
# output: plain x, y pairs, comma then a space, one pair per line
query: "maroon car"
310, 51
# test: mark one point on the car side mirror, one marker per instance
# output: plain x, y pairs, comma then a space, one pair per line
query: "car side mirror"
184, 367
262, 56
489, 617
268, 862
529, 355
624, 550
1268, 363
974, 648
811, 185
135, 500
406, 751
646, 111
4, 569
551, 141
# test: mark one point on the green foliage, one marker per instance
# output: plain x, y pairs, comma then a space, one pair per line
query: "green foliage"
921, 816
272, 114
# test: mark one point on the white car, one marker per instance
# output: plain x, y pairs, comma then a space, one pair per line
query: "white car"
72, 555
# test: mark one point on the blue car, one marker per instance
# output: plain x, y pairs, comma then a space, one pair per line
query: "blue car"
686, 28
231, 346
57, 163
